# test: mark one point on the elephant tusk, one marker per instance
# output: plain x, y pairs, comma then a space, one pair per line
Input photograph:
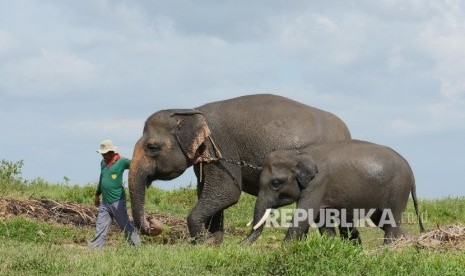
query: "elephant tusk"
250, 223
263, 219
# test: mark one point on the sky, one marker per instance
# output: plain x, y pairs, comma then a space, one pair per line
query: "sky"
73, 73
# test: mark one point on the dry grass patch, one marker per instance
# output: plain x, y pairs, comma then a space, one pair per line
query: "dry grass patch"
443, 238
81, 215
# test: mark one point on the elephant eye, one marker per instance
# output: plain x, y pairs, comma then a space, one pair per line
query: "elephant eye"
152, 149
275, 184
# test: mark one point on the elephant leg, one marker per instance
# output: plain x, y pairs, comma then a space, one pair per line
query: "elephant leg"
393, 230
348, 230
212, 212
345, 232
392, 233
298, 232
218, 189
390, 225
214, 225
376, 217
324, 229
350, 233
328, 231
310, 201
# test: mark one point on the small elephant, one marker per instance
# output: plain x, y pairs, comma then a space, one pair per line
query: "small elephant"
351, 175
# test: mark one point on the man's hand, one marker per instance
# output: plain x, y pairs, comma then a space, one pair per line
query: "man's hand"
97, 200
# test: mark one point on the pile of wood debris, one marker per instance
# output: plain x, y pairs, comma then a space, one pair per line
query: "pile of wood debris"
80, 215
443, 238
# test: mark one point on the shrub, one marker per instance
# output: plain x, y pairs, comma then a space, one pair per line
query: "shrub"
10, 177
11, 171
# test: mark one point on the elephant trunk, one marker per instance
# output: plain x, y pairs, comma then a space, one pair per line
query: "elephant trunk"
261, 213
138, 181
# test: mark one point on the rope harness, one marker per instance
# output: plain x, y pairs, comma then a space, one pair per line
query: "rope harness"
233, 161
240, 163
229, 160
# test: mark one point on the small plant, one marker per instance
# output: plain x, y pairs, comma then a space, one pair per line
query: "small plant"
11, 171
10, 177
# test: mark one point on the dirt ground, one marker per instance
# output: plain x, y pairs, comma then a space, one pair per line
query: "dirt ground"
443, 238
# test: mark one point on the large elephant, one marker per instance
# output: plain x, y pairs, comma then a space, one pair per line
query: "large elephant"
350, 175
226, 142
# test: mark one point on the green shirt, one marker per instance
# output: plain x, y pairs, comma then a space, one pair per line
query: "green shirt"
111, 180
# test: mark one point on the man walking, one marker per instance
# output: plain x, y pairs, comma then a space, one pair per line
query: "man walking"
113, 205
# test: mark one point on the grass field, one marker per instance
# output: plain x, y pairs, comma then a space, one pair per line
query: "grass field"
34, 247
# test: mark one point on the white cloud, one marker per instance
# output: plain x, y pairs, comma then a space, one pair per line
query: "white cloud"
443, 40
402, 127
302, 31
332, 41
7, 43
48, 74
398, 62
428, 119
106, 126
449, 115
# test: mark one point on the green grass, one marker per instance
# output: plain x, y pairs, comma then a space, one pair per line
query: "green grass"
32, 247
29, 231
316, 255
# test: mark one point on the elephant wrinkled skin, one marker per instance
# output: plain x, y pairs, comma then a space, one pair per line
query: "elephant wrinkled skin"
245, 128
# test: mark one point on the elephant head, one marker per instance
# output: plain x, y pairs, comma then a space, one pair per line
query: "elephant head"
172, 141
285, 174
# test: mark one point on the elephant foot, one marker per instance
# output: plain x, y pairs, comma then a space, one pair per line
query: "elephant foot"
353, 235
209, 239
251, 238
247, 241
215, 238
295, 234
392, 234
355, 239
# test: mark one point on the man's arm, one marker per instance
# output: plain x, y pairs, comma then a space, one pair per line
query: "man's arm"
127, 163
98, 192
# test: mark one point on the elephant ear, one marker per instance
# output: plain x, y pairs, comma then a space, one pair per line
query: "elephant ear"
306, 171
193, 135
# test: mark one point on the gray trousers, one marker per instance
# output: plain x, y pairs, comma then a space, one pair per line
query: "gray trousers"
106, 213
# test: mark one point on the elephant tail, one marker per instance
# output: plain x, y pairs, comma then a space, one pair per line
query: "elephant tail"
415, 204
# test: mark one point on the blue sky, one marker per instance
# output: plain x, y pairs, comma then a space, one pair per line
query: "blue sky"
73, 73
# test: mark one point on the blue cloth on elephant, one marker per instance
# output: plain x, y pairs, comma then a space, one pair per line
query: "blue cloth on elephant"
108, 212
